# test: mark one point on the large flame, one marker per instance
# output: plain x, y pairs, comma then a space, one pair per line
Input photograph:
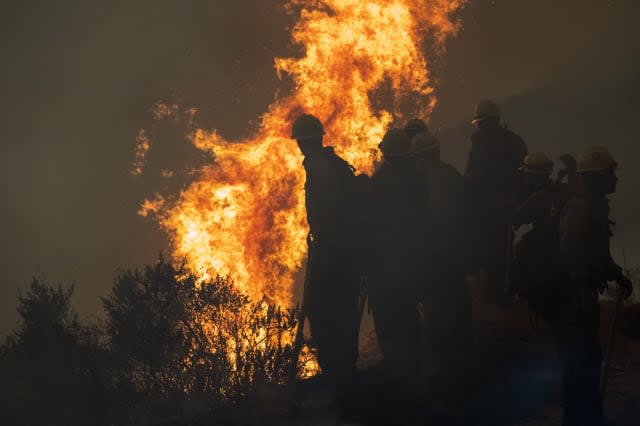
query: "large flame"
245, 215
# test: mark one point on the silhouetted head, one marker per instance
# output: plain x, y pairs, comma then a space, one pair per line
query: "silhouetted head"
395, 145
598, 170
307, 130
425, 149
486, 114
415, 126
536, 169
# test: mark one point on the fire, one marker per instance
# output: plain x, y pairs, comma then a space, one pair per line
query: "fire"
140, 152
245, 214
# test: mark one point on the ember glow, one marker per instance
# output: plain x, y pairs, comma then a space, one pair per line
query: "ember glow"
140, 152
245, 215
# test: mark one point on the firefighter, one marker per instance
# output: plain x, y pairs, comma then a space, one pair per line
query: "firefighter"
398, 216
444, 294
415, 126
492, 177
585, 233
537, 270
332, 289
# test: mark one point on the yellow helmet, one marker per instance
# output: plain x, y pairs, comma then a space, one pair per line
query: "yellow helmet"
485, 109
537, 163
395, 143
596, 159
424, 142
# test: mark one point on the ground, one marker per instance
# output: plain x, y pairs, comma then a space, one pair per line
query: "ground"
517, 375
514, 379
622, 397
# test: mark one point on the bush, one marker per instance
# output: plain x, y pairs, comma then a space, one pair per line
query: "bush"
51, 364
178, 340
171, 347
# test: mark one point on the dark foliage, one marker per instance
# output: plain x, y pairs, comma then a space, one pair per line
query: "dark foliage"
171, 347
51, 365
182, 342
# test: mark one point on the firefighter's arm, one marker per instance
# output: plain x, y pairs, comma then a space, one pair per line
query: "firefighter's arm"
608, 271
603, 267
530, 210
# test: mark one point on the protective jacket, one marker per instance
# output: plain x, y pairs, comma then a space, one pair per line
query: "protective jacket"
331, 194
492, 169
538, 273
492, 182
334, 270
445, 296
585, 233
396, 229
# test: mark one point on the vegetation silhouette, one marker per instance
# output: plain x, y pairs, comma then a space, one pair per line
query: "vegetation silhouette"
170, 348
52, 365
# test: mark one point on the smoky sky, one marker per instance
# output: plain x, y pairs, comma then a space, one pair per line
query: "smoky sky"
80, 78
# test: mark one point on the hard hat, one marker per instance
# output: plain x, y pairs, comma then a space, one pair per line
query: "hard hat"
424, 142
395, 143
485, 109
306, 126
415, 126
596, 159
537, 163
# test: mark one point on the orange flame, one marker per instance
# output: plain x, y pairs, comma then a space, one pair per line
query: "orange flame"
140, 153
245, 215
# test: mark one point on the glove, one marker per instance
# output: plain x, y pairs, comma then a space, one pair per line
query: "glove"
626, 286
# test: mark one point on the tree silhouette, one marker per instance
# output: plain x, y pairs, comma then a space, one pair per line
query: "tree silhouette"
181, 341
171, 345
50, 365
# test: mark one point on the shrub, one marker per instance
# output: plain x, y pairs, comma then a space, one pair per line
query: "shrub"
179, 340
50, 366
171, 346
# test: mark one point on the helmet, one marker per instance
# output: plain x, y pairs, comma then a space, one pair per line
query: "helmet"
537, 163
306, 126
415, 126
485, 109
395, 143
596, 159
424, 142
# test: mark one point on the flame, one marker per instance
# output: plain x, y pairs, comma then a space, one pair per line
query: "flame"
245, 214
140, 153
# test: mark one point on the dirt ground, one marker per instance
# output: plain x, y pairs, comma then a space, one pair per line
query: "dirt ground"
622, 397
513, 379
